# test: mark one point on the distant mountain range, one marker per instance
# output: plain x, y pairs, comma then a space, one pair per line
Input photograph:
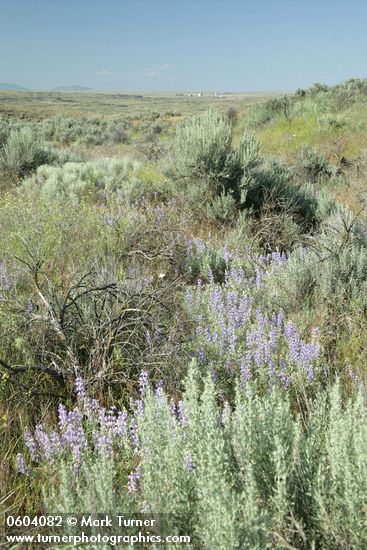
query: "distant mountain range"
16, 87
74, 88
9, 86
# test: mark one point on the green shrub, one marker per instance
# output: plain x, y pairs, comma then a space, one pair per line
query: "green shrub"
80, 180
341, 247
203, 149
331, 273
4, 131
222, 209
247, 475
22, 153
205, 158
314, 165
118, 135
202, 258
270, 109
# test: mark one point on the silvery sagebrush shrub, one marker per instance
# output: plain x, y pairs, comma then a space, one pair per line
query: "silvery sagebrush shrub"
22, 153
262, 177
341, 248
314, 165
117, 134
167, 485
206, 157
222, 209
292, 285
332, 268
270, 110
4, 130
248, 157
203, 148
323, 202
227, 509
332, 122
251, 474
78, 180
320, 98
230, 178
340, 484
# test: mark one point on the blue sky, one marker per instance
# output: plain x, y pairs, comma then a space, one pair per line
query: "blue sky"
229, 45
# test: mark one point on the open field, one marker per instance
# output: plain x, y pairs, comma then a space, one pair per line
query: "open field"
112, 105
183, 313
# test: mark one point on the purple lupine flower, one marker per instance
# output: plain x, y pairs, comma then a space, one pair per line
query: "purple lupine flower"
227, 327
273, 339
138, 407
293, 340
80, 389
272, 370
134, 435
199, 245
103, 443
158, 391
245, 372
229, 366
285, 379
31, 445
189, 297
214, 374
121, 428
143, 382
201, 355
30, 307
43, 441
133, 479
158, 336
181, 413
22, 466
172, 406
73, 433
259, 277
109, 220
308, 353
63, 415
55, 443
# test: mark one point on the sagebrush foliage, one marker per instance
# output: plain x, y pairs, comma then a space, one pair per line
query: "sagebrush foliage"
250, 473
22, 153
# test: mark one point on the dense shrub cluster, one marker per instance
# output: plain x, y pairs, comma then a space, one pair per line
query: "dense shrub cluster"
88, 180
250, 474
88, 131
317, 99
